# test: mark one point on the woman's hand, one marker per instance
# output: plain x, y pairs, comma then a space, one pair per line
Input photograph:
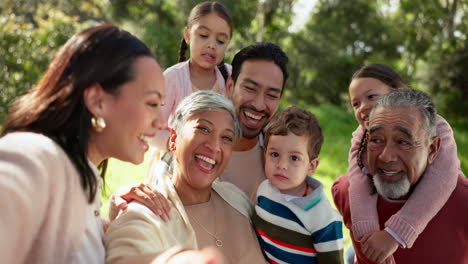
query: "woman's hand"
379, 246
142, 193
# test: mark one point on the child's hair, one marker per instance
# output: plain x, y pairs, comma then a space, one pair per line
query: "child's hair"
383, 73
199, 11
300, 122
386, 75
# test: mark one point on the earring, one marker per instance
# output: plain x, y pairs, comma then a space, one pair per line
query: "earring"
98, 123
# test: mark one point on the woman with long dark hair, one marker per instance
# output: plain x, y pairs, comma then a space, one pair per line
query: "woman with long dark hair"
100, 98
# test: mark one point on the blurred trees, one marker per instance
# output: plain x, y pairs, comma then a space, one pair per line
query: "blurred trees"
425, 40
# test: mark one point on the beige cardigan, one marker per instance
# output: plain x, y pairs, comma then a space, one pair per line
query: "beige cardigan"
44, 210
138, 231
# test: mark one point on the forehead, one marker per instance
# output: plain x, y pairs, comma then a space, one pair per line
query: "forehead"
212, 22
363, 85
408, 118
263, 72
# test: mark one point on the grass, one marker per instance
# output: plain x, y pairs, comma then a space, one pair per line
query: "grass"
337, 125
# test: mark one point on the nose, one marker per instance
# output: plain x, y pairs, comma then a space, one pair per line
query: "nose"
212, 43
214, 144
158, 122
282, 163
259, 102
388, 153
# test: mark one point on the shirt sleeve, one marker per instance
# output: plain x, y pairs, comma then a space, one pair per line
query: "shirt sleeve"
137, 231
23, 201
439, 180
363, 204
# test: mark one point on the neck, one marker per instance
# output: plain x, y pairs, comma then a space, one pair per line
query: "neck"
298, 190
189, 195
197, 71
94, 155
244, 144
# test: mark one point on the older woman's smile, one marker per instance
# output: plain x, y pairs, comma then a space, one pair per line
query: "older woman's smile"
205, 163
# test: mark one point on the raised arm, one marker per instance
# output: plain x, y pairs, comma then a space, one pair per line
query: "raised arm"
439, 181
363, 204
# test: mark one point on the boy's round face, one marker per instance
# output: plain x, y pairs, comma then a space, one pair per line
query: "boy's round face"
287, 163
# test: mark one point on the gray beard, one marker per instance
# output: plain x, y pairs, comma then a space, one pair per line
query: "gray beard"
392, 190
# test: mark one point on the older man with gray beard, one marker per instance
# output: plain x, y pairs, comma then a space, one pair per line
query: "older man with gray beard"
402, 142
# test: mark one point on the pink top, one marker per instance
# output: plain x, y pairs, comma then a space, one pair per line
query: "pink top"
179, 86
439, 181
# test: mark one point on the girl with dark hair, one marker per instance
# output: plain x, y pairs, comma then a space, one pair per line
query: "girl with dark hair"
207, 34
100, 97
368, 84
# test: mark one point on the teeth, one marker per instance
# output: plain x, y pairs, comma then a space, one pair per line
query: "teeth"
253, 116
206, 159
389, 172
143, 138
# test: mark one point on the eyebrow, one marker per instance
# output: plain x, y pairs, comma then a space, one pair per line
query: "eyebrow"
405, 131
156, 92
273, 89
374, 129
207, 28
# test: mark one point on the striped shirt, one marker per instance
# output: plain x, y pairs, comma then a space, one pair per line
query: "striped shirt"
303, 230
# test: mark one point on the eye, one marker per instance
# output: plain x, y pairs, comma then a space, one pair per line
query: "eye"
355, 104
228, 139
274, 154
273, 96
152, 104
250, 89
203, 129
203, 35
221, 42
295, 158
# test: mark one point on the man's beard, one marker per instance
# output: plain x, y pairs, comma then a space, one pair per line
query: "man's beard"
392, 190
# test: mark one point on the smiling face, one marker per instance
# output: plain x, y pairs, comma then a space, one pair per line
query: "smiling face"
399, 149
208, 38
132, 115
364, 93
256, 95
202, 149
287, 163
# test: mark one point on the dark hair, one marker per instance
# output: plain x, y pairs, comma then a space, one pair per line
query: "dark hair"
383, 73
261, 51
55, 107
300, 122
199, 11
386, 75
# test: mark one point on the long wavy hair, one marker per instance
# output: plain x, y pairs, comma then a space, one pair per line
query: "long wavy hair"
55, 107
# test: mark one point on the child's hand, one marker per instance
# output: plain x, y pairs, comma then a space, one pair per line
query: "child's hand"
379, 246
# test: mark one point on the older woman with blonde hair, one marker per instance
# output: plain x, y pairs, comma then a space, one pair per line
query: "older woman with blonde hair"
206, 212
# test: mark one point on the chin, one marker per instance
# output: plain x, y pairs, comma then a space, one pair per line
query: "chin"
392, 190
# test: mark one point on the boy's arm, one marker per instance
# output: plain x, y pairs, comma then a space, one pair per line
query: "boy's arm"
439, 181
364, 216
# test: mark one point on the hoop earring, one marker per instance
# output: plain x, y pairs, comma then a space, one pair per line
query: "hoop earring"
98, 123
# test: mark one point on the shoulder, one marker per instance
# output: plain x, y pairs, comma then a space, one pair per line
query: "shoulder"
461, 190
31, 143
340, 192
177, 69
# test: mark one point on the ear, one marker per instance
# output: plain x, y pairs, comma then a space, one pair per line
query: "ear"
93, 98
172, 140
186, 35
434, 148
229, 87
313, 164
